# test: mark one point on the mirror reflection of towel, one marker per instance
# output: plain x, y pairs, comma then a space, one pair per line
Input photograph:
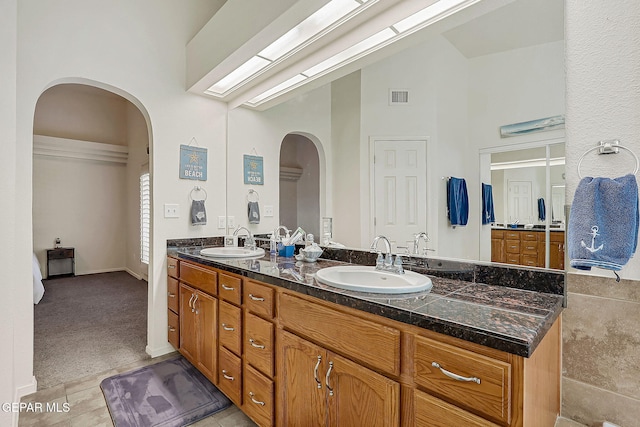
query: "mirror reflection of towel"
198, 213
254, 213
488, 212
542, 215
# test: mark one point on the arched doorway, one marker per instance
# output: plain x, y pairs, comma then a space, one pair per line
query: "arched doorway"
91, 149
300, 184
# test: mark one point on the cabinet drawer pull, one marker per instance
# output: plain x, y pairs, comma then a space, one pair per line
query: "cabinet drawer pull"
255, 298
257, 402
228, 377
227, 328
253, 344
194, 304
172, 329
228, 288
170, 295
171, 266
315, 372
455, 376
326, 379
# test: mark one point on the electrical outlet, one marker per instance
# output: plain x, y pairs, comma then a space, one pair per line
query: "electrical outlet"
222, 222
231, 222
268, 210
171, 210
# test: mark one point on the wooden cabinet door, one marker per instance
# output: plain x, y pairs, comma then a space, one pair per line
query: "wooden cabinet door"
188, 325
497, 250
301, 366
206, 316
357, 396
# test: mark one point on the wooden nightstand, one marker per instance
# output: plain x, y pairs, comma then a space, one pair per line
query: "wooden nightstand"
63, 260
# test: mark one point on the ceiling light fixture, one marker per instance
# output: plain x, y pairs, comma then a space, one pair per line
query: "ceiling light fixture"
516, 164
419, 20
324, 20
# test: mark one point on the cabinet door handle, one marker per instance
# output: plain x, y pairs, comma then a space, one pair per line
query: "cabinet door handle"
227, 328
228, 377
171, 266
170, 295
315, 372
194, 303
191, 303
326, 379
172, 329
253, 344
257, 402
228, 288
455, 376
255, 298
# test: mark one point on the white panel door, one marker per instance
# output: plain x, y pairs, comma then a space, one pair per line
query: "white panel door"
520, 202
400, 189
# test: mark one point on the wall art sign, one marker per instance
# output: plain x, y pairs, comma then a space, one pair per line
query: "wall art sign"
193, 163
253, 170
540, 125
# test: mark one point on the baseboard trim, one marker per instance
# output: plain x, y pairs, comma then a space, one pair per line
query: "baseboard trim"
26, 389
159, 351
136, 275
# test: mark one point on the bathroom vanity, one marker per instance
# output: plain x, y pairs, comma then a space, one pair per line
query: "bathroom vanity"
527, 247
289, 351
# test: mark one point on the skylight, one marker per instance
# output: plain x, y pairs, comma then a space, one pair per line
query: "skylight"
317, 24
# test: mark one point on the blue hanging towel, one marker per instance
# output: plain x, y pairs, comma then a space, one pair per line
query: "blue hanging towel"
488, 213
541, 210
603, 223
457, 201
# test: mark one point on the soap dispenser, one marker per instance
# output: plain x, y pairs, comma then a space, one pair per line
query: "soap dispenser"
273, 244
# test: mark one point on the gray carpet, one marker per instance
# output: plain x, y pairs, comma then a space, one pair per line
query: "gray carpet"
89, 324
171, 393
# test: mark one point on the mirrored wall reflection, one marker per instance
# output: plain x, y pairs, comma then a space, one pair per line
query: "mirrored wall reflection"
528, 193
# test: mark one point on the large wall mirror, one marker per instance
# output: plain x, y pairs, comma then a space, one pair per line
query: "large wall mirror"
383, 138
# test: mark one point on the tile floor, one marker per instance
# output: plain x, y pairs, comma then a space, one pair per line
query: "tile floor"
89, 409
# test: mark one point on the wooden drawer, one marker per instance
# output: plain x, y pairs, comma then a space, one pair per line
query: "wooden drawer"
488, 395
230, 375
173, 267
258, 392
173, 296
432, 412
512, 235
258, 299
369, 342
529, 235
258, 343
174, 329
199, 277
529, 260
529, 247
497, 234
230, 327
512, 259
512, 246
60, 253
230, 288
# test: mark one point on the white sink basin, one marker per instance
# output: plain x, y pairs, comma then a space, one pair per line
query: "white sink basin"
228, 252
368, 279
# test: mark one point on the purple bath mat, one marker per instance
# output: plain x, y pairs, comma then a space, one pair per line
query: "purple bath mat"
171, 393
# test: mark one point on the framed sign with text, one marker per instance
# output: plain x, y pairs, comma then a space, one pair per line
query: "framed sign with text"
193, 163
253, 170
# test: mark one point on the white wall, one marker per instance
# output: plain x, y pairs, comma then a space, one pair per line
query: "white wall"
136, 49
15, 370
308, 115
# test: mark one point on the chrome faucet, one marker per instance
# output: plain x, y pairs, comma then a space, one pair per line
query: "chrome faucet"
249, 242
387, 263
416, 242
276, 232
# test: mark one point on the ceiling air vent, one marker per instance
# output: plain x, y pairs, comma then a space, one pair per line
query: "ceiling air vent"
398, 96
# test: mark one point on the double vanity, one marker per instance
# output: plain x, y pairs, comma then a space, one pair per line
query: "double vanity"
479, 346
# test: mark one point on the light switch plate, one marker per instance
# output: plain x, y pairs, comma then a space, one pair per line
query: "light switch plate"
231, 222
222, 222
171, 210
268, 210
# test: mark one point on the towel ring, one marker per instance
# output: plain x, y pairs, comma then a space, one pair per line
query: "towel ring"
251, 192
198, 188
609, 147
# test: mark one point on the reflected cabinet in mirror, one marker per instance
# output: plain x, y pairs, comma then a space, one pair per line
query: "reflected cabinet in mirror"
373, 150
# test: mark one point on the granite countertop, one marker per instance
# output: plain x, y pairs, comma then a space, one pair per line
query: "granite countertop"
504, 318
522, 228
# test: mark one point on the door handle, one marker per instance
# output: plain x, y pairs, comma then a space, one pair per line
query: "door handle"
326, 379
315, 372
194, 303
191, 303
